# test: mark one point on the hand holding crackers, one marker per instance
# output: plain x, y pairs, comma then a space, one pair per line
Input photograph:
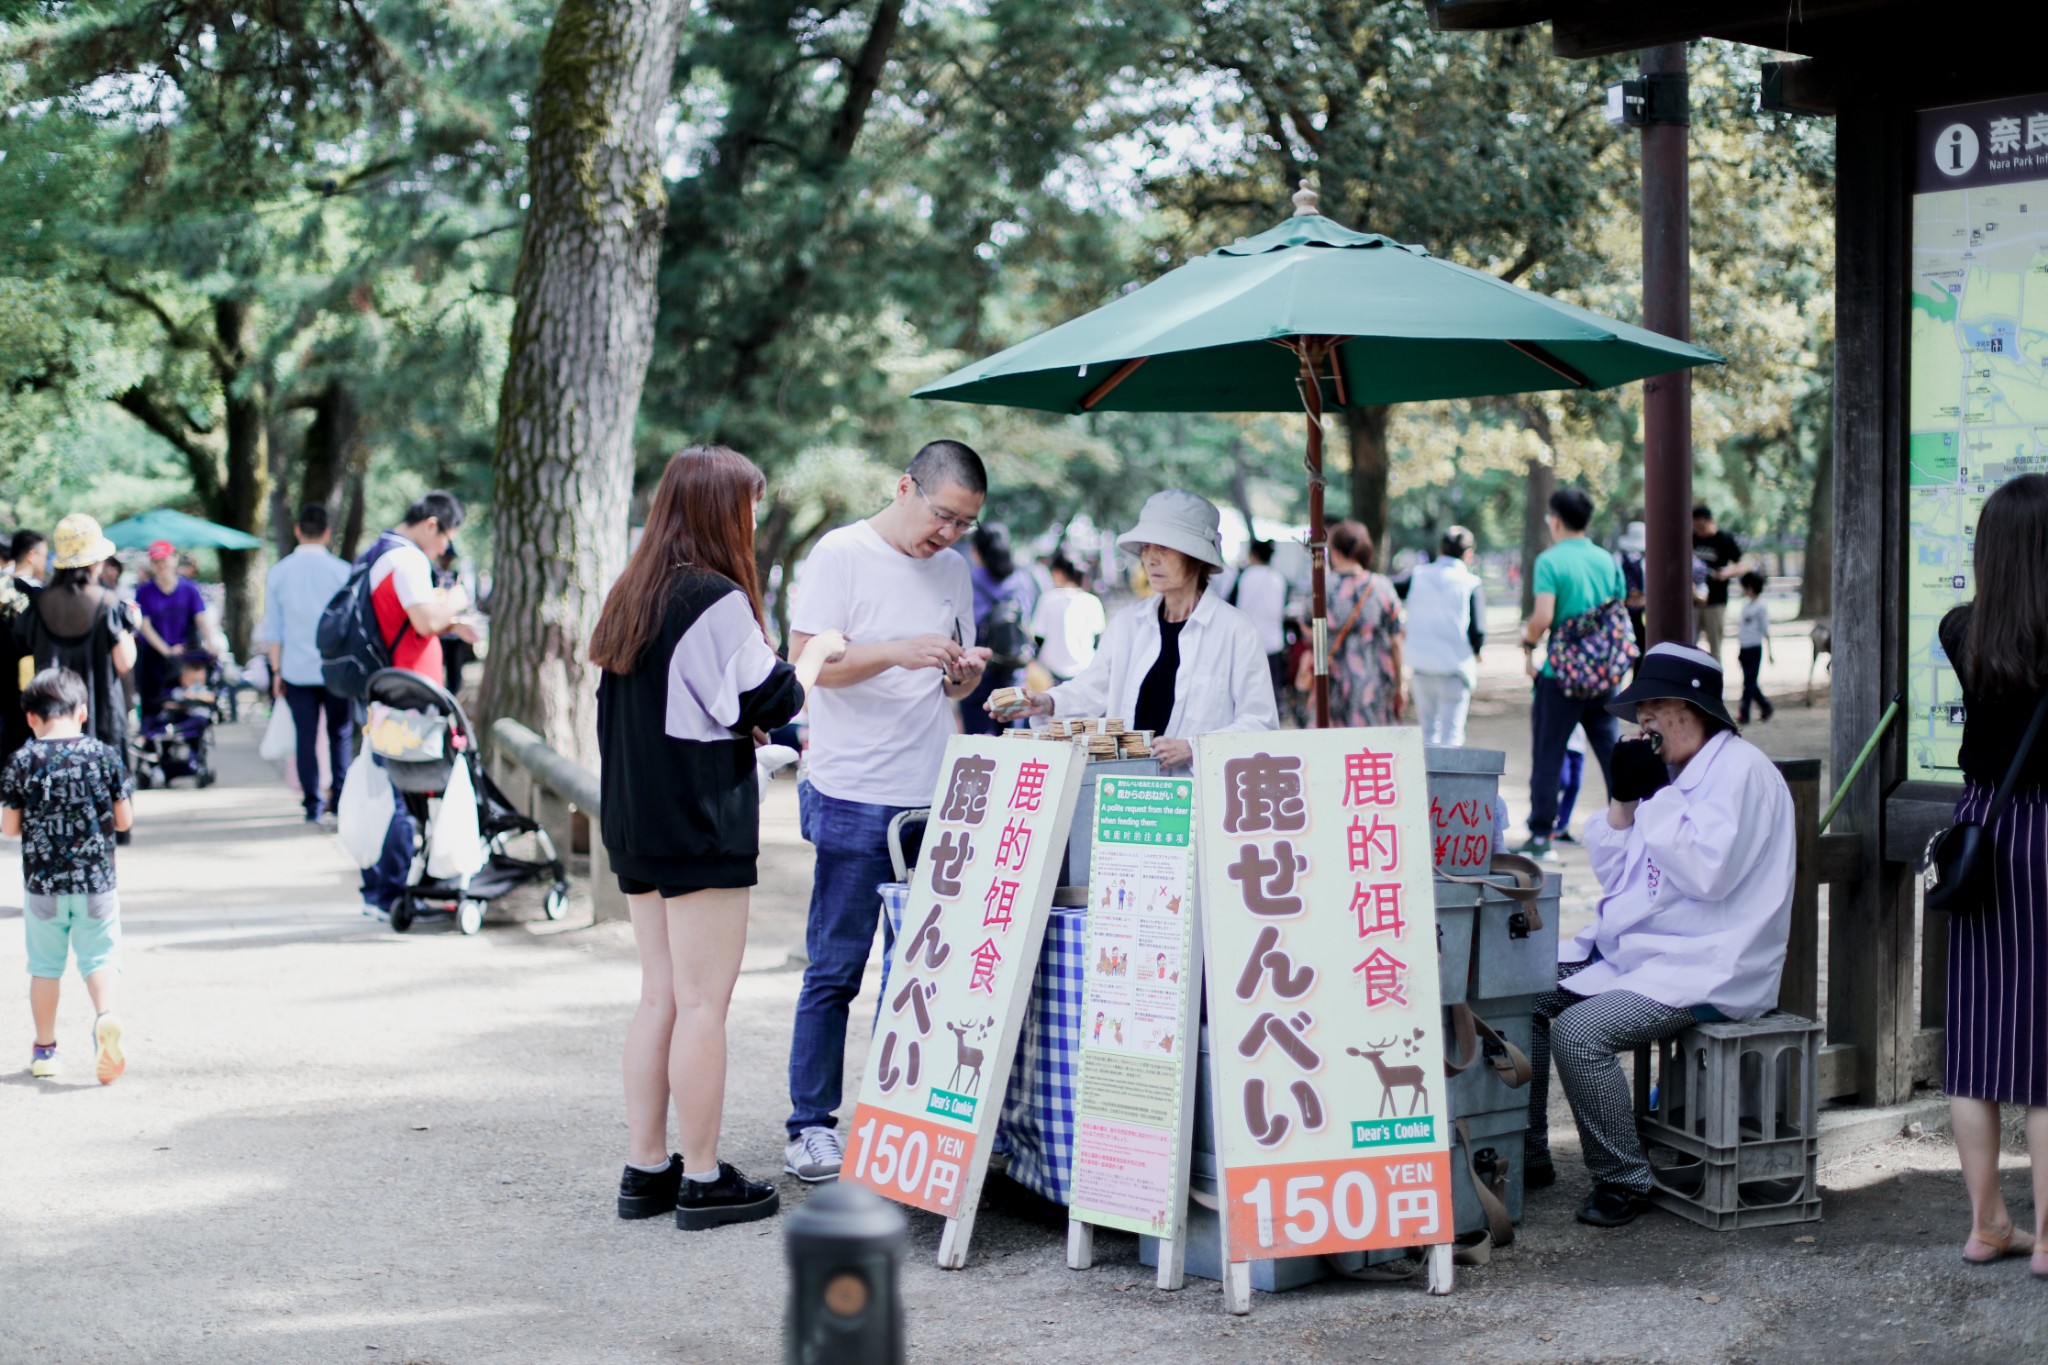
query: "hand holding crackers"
1008, 703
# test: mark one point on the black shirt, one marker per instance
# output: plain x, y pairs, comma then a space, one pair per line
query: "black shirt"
1155, 693
1992, 726
675, 736
1718, 551
77, 627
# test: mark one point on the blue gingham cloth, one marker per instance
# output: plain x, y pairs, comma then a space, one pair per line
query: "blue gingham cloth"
1037, 1124
1037, 1127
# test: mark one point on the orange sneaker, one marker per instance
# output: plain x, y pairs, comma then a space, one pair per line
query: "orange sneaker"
109, 1061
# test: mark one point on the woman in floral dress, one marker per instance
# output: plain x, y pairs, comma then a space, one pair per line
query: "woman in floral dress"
1365, 634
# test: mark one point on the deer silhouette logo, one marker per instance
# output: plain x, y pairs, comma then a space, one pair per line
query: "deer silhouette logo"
969, 1058
1394, 1078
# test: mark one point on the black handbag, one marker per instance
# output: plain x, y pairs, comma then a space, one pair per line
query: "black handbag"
1957, 863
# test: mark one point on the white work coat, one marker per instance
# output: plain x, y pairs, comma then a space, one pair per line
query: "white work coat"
1224, 682
1697, 900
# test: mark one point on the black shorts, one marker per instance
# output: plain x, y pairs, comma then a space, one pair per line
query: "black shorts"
672, 877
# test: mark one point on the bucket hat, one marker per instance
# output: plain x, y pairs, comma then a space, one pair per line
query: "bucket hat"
1679, 672
78, 543
1634, 540
1178, 520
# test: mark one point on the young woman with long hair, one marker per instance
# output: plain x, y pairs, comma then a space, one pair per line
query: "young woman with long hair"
689, 677
1997, 1036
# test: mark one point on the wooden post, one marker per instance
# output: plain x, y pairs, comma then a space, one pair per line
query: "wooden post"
1870, 924
1799, 987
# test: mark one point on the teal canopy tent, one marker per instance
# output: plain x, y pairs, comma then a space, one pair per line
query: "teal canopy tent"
183, 530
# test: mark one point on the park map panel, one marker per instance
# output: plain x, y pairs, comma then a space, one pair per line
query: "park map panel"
1977, 362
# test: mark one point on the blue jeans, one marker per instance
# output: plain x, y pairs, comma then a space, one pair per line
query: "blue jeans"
385, 879
852, 839
1551, 718
309, 705
1573, 773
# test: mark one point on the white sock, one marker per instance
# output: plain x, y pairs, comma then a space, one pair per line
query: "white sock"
702, 1177
656, 1169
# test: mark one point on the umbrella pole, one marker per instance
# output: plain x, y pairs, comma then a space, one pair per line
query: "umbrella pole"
1311, 353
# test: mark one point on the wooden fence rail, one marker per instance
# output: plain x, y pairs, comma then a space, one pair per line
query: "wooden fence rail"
555, 791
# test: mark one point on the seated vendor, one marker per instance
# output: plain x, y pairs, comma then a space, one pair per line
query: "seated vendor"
1180, 663
1695, 859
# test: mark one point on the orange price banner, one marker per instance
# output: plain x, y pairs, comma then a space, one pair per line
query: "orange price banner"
911, 1161
1317, 1208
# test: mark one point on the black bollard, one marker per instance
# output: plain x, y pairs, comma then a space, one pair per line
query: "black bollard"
845, 1246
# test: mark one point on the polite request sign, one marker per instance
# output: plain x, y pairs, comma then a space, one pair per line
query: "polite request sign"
1320, 924
962, 973
1133, 1101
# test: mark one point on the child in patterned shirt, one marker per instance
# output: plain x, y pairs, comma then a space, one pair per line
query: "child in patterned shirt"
65, 794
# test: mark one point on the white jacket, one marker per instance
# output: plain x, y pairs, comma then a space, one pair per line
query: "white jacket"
1439, 615
1224, 682
1698, 892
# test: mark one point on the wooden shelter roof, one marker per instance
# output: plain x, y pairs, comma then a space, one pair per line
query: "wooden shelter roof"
1590, 28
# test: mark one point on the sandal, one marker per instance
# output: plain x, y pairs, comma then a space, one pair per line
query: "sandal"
2014, 1243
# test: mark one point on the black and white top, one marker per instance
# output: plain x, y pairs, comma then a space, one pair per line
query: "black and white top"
675, 737
66, 790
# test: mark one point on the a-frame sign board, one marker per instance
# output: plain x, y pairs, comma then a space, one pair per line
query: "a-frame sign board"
961, 978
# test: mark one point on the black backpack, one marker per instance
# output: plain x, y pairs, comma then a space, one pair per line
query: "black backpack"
1003, 632
351, 643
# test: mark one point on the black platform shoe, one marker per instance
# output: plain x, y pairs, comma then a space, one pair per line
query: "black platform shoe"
732, 1198
646, 1194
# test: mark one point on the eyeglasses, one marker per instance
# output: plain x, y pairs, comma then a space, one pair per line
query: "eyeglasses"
966, 526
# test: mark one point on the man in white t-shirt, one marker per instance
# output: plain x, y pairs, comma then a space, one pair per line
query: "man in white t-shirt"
1261, 593
879, 718
1067, 621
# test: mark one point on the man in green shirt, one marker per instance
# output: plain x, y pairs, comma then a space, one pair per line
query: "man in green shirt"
1574, 576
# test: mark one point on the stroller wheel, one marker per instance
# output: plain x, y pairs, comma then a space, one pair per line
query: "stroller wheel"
205, 777
469, 915
143, 780
401, 913
557, 903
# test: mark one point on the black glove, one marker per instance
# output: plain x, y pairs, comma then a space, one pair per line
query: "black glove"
1636, 771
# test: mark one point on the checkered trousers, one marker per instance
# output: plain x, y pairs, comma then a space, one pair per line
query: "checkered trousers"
1037, 1127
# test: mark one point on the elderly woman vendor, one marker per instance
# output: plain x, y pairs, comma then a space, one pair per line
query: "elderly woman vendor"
1695, 860
1181, 663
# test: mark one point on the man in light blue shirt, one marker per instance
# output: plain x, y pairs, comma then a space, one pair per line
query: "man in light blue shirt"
298, 589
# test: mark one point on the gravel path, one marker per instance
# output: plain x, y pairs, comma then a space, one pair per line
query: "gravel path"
335, 1143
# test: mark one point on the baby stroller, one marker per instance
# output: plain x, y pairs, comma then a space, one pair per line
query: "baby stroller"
176, 739
421, 733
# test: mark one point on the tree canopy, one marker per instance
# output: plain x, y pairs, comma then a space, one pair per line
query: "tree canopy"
257, 253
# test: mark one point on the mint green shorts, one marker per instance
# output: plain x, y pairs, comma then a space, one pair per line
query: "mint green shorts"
58, 925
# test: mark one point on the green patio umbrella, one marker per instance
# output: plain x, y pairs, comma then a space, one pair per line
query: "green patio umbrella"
1312, 316
183, 530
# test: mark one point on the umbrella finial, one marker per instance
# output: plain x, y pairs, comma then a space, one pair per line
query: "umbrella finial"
1305, 201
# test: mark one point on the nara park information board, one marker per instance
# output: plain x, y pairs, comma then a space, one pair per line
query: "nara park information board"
961, 979
1324, 1017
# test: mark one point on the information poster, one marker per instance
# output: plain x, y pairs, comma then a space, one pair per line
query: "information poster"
962, 974
1133, 1103
1331, 1113
1977, 412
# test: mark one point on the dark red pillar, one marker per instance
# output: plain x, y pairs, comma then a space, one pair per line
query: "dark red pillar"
1667, 308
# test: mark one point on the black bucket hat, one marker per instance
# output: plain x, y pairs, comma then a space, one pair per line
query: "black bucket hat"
1679, 672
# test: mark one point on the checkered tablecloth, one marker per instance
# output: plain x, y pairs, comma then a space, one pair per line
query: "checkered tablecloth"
1037, 1124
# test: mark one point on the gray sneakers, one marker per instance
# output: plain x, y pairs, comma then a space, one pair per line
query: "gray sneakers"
814, 1155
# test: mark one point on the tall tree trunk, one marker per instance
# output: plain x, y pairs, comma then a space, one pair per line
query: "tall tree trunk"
330, 444
1817, 576
1542, 482
581, 336
1367, 429
245, 493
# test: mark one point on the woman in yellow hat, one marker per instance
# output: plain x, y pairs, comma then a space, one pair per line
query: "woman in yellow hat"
75, 623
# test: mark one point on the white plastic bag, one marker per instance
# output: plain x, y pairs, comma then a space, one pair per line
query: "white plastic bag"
366, 811
280, 739
455, 846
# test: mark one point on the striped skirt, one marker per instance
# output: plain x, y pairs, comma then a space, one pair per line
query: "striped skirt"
1997, 1037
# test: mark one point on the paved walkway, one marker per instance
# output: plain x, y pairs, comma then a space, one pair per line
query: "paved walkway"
336, 1143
